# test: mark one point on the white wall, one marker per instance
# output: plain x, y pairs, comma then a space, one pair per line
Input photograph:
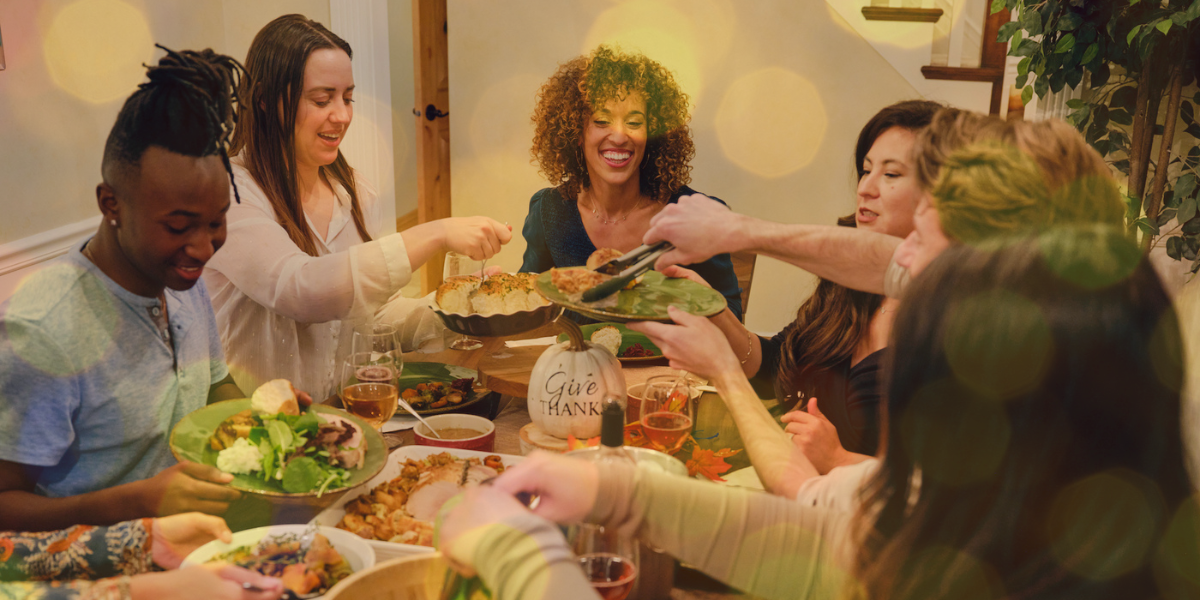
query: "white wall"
71, 64
404, 158
780, 90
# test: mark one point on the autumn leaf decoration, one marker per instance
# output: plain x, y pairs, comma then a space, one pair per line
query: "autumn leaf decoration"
574, 443
633, 437
709, 463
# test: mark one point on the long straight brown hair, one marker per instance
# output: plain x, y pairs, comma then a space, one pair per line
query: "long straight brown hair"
266, 127
831, 322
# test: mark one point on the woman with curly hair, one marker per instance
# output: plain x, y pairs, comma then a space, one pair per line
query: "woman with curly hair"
612, 137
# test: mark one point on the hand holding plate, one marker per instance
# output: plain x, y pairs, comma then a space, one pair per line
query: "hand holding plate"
693, 344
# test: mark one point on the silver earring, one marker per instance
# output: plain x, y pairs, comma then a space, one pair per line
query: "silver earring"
112, 222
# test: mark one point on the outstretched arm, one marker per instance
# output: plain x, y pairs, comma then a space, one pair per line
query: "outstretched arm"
701, 228
184, 487
695, 345
768, 546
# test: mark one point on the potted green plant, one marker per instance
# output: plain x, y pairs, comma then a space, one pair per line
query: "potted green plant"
1141, 59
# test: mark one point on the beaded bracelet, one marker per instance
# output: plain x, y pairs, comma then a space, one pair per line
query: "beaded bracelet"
749, 346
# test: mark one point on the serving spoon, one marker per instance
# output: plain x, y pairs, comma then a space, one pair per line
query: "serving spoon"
412, 412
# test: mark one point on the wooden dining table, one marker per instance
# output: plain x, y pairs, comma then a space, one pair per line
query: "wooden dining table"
505, 372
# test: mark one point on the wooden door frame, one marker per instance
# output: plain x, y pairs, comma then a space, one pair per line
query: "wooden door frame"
431, 74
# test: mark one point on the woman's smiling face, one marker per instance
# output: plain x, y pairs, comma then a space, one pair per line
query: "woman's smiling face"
614, 141
325, 109
888, 191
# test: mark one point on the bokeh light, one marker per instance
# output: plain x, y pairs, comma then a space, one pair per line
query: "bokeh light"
1088, 257
954, 438
1179, 552
657, 30
1167, 352
771, 122
898, 34
95, 49
500, 128
1010, 355
366, 138
951, 573
777, 576
90, 331
1105, 525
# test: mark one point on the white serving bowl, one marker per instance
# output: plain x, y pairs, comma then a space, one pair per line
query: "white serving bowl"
357, 552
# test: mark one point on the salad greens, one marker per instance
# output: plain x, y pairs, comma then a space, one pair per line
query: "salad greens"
290, 457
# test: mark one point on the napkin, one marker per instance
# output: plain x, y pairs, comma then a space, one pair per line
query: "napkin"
544, 341
399, 422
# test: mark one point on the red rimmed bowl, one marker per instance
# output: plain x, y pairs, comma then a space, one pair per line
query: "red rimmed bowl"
484, 442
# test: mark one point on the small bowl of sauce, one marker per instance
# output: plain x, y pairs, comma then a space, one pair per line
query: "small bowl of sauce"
467, 432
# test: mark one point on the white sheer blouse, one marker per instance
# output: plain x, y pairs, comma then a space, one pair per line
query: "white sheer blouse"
285, 314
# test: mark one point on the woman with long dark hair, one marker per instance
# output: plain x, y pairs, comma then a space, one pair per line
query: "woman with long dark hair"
832, 350
1032, 450
306, 256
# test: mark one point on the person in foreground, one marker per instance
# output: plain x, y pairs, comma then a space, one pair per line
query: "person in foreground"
306, 260
985, 178
1032, 450
106, 349
116, 563
611, 135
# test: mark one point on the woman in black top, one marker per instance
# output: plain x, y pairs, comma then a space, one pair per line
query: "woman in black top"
611, 135
833, 349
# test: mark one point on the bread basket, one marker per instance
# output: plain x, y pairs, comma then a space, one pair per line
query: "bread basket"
498, 325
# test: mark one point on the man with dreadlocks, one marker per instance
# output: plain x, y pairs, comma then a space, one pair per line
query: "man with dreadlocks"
105, 350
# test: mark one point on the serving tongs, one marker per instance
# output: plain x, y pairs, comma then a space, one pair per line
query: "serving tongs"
626, 268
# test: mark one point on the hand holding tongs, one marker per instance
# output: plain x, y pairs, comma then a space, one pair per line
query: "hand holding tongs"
642, 259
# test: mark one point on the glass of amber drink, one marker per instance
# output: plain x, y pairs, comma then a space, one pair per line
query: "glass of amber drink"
369, 387
668, 411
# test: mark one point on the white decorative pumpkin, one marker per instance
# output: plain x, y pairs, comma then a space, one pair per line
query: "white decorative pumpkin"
569, 383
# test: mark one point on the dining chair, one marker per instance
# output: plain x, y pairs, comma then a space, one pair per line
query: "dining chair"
743, 266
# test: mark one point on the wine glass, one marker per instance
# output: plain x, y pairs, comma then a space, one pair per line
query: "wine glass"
369, 387
379, 339
461, 265
608, 559
668, 411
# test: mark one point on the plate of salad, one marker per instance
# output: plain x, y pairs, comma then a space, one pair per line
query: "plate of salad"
321, 451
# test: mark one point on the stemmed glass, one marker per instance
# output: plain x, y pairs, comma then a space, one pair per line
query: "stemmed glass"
668, 411
369, 387
461, 265
379, 339
608, 559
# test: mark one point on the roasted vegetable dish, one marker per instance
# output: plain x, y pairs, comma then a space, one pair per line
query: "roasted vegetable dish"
315, 572
402, 510
438, 394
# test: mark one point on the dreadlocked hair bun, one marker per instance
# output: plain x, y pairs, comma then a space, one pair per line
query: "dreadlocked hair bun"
186, 107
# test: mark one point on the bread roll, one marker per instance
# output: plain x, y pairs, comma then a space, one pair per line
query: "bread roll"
275, 397
454, 295
609, 337
602, 256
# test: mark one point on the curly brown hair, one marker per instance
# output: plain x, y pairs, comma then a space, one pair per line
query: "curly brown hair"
585, 84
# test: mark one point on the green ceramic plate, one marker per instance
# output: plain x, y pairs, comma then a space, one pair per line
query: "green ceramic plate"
189, 441
628, 339
427, 372
647, 301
